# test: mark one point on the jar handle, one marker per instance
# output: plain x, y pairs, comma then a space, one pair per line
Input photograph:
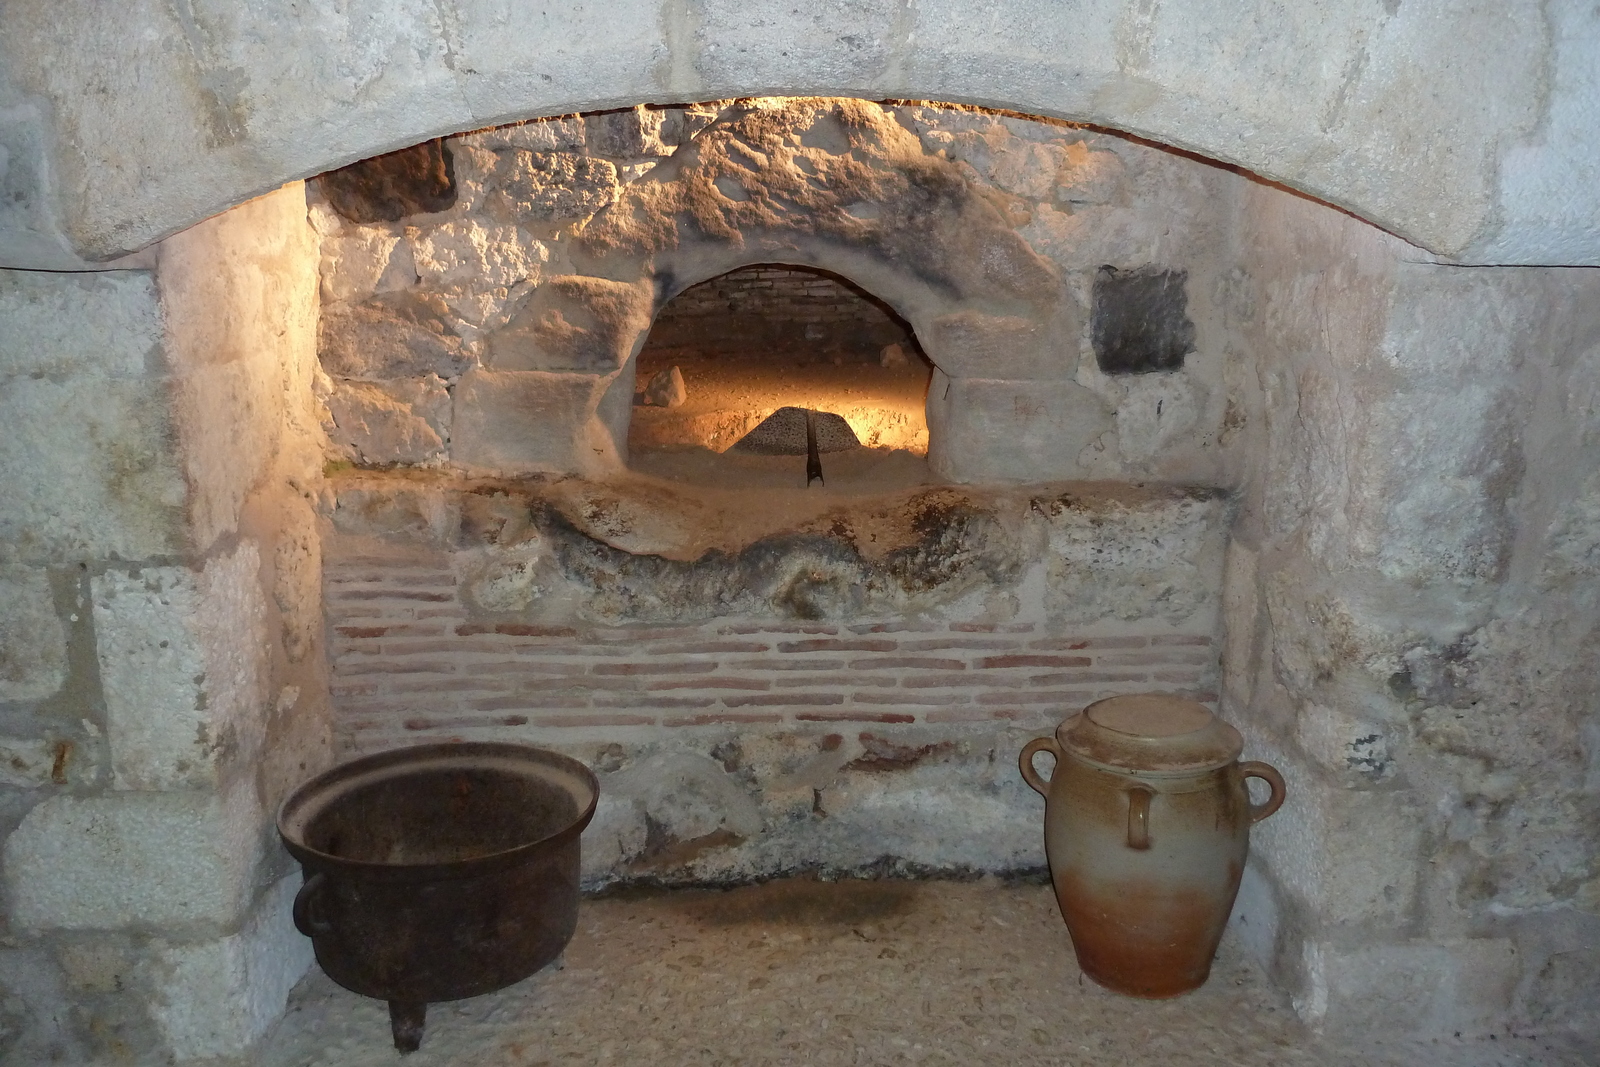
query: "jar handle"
1025, 761
1139, 817
304, 921
1269, 774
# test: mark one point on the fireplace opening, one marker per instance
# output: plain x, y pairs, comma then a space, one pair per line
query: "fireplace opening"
740, 375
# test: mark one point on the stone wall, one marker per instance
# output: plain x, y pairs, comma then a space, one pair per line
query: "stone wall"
1410, 613
847, 694
1007, 244
161, 674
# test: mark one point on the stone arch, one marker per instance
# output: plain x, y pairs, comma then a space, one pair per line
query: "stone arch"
835, 184
123, 137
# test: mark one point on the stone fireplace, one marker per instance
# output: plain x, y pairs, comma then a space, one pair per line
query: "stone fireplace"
1267, 382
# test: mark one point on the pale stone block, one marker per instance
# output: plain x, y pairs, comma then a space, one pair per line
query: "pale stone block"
469, 252
529, 421
1424, 989
378, 423
217, 997
133, 858
1158, 559
71, 325
33, 642
1350, 856
970, 344
512, 57
89, 469
1012, 431
239, 294
563, 134
181, 662
356, 264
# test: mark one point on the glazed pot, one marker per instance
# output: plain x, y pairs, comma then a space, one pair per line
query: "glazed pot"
1146, 827
440, 871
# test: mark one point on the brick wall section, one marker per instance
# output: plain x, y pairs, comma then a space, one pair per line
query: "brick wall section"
410, 666
777, 293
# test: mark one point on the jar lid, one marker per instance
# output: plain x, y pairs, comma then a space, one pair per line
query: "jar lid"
1151, 733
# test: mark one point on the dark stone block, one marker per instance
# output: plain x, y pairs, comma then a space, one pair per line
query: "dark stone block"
413, 181
1141, 320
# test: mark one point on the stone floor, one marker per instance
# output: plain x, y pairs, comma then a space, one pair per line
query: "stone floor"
801, 972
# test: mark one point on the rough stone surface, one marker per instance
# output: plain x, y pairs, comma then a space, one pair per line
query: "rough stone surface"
1360, 126
983, 430
181, 663
88, 453
239, 297
215, 998
149, 859
33, 643
929, 209
390, 336
533, 421
379, 423
665, 389
574, 323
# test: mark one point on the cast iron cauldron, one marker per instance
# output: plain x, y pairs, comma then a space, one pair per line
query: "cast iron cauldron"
439, 872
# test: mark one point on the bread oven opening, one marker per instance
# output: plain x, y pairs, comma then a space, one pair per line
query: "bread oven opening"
740, 376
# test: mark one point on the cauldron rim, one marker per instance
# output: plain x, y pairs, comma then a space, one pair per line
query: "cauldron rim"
421, 756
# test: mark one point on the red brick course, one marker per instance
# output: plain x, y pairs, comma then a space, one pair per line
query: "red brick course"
406, 658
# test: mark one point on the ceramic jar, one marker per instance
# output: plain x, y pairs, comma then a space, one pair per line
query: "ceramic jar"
1146, 827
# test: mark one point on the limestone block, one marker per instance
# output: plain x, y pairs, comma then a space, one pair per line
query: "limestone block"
971, 344
33, 642
575, 323
215, 998
612, 55
468, 252
1350, 857
550, 186
406, 421
394, 335
1424, 989
1155, 414
1161, 559
528, 421
181, 664
1015, 431
89, 469
362, 261
841, 43
626, 134
230, 420
74, 325
157, 859
1545, 213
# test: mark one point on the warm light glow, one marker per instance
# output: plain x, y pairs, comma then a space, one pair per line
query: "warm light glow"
877, 422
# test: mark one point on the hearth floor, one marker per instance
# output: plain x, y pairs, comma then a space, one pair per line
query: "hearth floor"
802, 972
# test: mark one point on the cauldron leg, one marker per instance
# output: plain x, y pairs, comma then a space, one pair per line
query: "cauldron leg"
407, 1020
